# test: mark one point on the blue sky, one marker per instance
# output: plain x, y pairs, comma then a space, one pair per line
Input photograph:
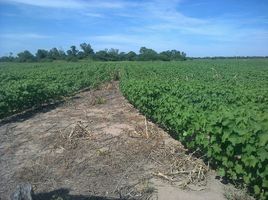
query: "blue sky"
200, 28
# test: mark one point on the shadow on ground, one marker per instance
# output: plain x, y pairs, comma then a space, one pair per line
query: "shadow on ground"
63, 194
27, 114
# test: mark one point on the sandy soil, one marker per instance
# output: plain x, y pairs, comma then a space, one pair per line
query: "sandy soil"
97, 146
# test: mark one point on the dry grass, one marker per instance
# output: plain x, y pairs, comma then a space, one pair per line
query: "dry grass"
232, 193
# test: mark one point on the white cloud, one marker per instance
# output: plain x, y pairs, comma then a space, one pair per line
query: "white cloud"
22, 36
70, 4
128, 42
48, 3
118, 38
91, 14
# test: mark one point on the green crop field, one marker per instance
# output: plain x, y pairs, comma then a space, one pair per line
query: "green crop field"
219, 107
25, 85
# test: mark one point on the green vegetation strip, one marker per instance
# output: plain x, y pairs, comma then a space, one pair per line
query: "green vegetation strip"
23, 86
219, 107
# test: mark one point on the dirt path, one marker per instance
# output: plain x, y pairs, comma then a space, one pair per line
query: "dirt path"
97, 146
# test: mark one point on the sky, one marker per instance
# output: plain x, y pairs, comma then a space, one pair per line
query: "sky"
199, 28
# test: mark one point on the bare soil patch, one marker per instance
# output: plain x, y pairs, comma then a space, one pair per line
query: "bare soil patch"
97, 146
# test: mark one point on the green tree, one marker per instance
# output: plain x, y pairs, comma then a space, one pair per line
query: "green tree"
54, 54
131, 56
72, 53
41, 54
147, 54
25, 56
108, 55
80, 55
122, 56
102, 55
165, 56
172, 55
87, 50
9, 58
113, 54
183, 54
62, 54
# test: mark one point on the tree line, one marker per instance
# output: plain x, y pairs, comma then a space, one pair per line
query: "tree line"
86, 52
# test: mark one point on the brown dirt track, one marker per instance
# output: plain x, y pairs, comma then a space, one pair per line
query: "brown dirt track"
97, 146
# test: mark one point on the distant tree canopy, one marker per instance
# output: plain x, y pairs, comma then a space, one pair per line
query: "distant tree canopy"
86, 52
25, 56
148, 54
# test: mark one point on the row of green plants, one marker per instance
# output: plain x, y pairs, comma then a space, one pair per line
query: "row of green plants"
24, 86
218, 107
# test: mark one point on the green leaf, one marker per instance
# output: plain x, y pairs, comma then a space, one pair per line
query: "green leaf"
257, 189
263, 139
234, 139
263, 154
221, 172
250, 161
225, 135
230, 151
246, 179
216, 148
265, 183
239, 169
